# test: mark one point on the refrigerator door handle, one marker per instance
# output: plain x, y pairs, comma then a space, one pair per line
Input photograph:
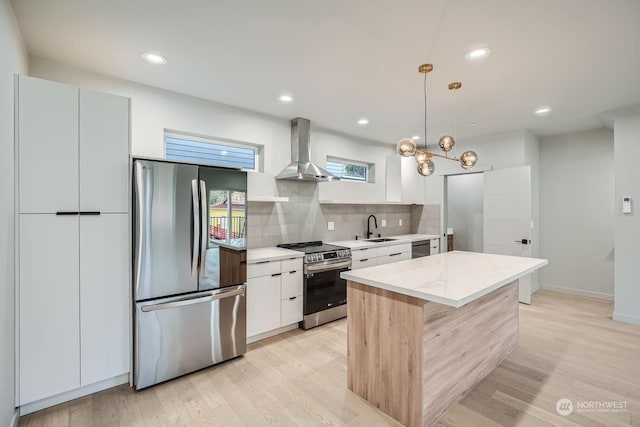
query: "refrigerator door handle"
204, 239
196, 226
198, 300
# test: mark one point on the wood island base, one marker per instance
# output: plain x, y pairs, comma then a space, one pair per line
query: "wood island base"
415, 359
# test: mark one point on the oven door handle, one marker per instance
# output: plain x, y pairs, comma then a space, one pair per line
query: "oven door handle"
326, 267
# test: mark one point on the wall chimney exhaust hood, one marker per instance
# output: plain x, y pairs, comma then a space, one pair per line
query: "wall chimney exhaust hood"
301, 168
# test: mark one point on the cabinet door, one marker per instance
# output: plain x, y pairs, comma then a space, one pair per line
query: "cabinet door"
49, 314
412, 182
291, 310
263, 304
47, 146
104, 297
104, 152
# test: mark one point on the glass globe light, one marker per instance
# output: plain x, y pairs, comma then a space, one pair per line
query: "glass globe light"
468, 159
426, 168
406, 147
422, 155
446, 143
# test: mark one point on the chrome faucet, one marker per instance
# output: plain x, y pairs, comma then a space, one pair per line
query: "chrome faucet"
375, 224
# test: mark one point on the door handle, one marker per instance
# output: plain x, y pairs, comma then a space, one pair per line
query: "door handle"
191, 301
196, 226
204, 217
523, 241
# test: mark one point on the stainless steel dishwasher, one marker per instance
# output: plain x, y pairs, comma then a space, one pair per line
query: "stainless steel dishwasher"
420, 248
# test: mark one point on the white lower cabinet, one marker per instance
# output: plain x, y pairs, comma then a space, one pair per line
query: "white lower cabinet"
104, 297
49, 328
368, 257
263, 304
74, 302
274, 295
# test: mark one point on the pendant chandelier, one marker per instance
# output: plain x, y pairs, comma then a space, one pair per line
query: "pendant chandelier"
406, 147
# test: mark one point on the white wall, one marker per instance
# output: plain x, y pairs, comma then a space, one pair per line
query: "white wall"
465, 211
576, 213
154, 110
627, 227
13, 60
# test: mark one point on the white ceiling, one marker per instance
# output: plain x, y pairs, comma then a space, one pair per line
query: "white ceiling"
346, 59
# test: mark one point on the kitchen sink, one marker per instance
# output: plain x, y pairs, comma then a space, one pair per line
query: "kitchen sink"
380, 240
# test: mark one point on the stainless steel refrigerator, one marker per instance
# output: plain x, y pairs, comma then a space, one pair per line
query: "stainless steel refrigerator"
189, 257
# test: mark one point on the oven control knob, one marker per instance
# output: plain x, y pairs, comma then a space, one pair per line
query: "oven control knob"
308, 258
340, 254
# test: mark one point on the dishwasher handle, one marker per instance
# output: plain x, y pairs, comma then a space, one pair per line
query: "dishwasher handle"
197, 300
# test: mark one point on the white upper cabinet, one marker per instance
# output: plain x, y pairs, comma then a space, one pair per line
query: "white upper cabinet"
104, 152
403, 182
73, 148
47, 146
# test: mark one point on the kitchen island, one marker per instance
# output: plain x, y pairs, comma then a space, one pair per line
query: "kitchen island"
423, 332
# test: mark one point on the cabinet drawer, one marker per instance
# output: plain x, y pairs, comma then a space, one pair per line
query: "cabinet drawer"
357, 254
294, 264
394, 257
291, 310
363, 263
265, 268
291, 284
435, 246
394, 249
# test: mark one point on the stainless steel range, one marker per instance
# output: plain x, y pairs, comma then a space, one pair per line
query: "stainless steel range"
325, 293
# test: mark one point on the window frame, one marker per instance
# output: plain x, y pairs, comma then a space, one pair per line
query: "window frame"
368, 167
257, 149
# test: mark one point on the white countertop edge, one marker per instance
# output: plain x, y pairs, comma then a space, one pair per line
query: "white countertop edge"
403, 238
271, 254
349, 275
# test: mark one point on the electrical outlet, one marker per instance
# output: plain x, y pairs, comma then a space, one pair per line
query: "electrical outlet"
384, 222
400, 222
331, 226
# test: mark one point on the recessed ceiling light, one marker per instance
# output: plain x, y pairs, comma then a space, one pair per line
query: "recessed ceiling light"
154, 58
476, 54
473, 124
415, 137
224, 152
363, 122
542, 110
285, 98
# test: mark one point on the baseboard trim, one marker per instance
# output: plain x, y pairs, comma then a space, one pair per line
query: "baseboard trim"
272, 333
15, 419
626, 318
73, 394
579, 292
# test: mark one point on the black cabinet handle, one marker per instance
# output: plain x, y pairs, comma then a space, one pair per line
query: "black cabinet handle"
292, 272
63, 213
292, 298
263, 262
364, 260
399, 253
277, 274
89, 212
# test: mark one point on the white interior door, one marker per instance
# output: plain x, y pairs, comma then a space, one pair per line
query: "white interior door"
507, 217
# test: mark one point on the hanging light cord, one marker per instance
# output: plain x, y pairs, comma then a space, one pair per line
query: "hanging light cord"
425, 110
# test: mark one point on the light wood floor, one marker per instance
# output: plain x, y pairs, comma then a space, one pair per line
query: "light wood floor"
569, 348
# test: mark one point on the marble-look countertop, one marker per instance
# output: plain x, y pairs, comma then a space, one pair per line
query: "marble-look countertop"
451, 278
403, 238
271, 254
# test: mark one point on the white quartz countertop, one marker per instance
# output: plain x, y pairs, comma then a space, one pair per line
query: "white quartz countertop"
451, 278
271, 254
404, 238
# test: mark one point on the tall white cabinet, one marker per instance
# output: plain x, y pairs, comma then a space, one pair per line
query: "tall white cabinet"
73, 270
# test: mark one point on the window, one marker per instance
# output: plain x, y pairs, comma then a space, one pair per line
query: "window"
350, 170
212, 151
